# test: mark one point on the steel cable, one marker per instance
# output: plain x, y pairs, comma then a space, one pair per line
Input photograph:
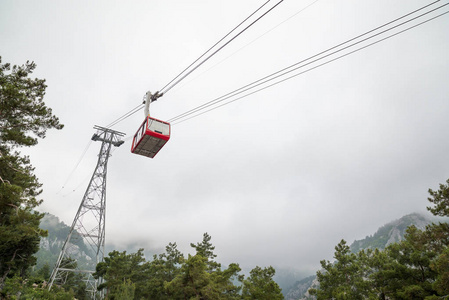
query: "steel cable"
166, 89
295, 66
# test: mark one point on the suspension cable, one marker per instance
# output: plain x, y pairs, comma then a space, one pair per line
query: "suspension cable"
166, 89
260, 36
295, 66
315, 67
275, 75
125, 116
177, 76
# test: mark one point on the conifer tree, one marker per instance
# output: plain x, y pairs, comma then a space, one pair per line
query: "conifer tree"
117, 269
205, 249
440, 199
24, 118
170, 276
346, 277
162, 269
261, 286
414, 268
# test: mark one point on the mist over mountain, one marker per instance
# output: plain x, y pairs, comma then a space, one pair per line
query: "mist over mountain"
387, 234
50, 246
392, 232
293, 282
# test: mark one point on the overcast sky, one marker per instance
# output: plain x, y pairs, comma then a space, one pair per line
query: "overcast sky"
277, 178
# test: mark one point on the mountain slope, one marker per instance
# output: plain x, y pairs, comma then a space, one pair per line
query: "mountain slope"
51, 246
392, 232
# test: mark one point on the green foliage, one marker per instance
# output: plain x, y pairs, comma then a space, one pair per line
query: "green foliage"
171, 276
74, 282
126, 290
118, 268
205, 249
441, 267
193, 281
440, 199
411, 274
22, 108
344, 279
163, 268
415, 268
18, 288
41, 275
23, 119
261, 286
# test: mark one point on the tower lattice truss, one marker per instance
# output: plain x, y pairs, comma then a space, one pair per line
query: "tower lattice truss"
86, 237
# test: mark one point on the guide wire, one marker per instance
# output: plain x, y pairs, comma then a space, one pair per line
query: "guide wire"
76, 166
289, 69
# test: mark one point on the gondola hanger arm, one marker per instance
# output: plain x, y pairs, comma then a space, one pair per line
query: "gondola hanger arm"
150, 98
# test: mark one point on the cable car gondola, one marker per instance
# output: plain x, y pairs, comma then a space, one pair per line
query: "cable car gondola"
152, 135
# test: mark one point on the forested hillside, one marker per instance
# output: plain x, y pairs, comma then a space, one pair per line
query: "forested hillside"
416, 267
390, 233
51, 246
387, 234
169, 275
172, 275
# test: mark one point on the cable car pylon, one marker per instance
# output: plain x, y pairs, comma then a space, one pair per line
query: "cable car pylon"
87, 233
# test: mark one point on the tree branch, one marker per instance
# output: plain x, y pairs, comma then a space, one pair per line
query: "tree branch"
5, 181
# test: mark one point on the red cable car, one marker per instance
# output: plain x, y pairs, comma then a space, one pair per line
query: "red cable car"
152, 135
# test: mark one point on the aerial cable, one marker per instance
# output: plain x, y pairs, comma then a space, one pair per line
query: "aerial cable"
285, 71
215, 45
315, 67
253, 85
166, 89
260, 36
272, 76
125, 116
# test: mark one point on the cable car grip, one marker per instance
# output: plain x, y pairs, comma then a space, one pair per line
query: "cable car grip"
150, 98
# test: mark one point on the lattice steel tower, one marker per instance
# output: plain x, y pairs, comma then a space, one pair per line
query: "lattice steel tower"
87, 233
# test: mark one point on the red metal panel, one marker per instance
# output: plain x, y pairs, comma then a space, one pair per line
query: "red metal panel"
147, 142
138, 136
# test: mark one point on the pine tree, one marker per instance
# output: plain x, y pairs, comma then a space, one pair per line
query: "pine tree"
24, 118
170, 276
438, 237
205, 249
441, 200
261, 286
346, 278
163, 268
415, 268
119, 267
